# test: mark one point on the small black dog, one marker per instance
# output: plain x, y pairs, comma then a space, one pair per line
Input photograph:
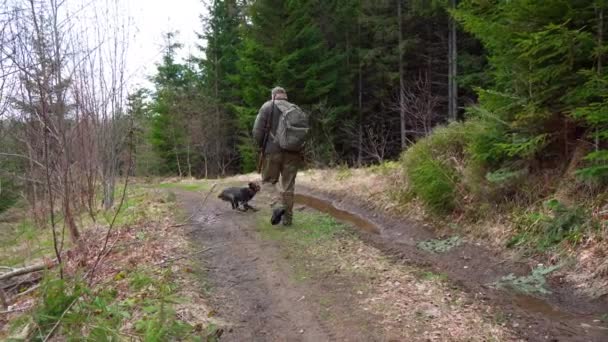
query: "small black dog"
236, 196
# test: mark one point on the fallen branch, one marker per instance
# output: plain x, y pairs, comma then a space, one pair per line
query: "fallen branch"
26, 292
17, 283
6, 312
184, 256
3, 301
28, 269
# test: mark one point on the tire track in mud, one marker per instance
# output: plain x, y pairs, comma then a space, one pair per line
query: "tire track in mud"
253, 292
561, 316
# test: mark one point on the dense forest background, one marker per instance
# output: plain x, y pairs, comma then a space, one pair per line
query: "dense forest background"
374, 75
520, 84
377, 76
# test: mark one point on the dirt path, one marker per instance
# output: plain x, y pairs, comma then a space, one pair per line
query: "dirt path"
249, 288
251, 285
270, 284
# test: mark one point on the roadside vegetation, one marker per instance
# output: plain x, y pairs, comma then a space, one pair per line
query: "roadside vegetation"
145, 287
407, 302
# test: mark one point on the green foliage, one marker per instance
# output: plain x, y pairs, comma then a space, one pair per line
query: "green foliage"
147, 160
9, 166
285, 45
557, 223
595, 113
432, 276
57, 297
440, 246
504, 176
196, 186
545, 61
385, 168
535, 283
597, 166
433, 182
430, 169
139, 280
9, 193
102, 314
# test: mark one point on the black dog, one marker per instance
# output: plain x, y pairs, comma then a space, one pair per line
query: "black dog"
236, 196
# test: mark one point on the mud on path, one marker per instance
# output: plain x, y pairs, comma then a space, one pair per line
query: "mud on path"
250, 285
560, 315
367, 285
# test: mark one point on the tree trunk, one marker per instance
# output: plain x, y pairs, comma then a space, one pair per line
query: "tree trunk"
360, 105
401, 81
108, 192
188, 161
452, 65
600, 43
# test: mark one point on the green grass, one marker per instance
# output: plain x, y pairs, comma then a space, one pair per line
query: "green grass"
147, 298
308, 228
385, 168
301, 242
198, 186
22, 241
103, 313
432, 276
551, 226
431, 167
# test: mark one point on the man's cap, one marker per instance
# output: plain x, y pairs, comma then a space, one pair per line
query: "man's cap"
278, 90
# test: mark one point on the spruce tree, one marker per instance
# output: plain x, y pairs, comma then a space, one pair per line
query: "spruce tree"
284, 45
540, 55
168, 134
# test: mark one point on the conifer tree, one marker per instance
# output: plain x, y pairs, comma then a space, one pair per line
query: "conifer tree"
284, 45
168, 135
541, 53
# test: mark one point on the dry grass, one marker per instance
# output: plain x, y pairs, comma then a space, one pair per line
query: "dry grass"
412, 305
145, 242
385, 189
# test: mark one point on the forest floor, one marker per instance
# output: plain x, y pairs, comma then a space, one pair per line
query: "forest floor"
347, 273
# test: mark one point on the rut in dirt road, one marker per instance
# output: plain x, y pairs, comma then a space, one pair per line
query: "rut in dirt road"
325, 281
560, 316
250, 286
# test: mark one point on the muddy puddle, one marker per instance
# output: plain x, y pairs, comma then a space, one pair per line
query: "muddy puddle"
540, 306
339, 214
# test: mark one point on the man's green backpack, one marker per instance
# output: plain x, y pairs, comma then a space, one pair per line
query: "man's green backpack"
293, 127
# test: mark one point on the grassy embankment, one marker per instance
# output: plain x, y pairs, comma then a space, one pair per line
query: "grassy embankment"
144, 288
547, 213
353, 281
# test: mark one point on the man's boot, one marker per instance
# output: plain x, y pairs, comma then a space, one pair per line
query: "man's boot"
287, 220
288, 205
278, 214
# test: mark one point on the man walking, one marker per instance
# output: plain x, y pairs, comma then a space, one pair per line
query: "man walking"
281, 126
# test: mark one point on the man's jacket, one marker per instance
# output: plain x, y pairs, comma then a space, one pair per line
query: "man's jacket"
259, 127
